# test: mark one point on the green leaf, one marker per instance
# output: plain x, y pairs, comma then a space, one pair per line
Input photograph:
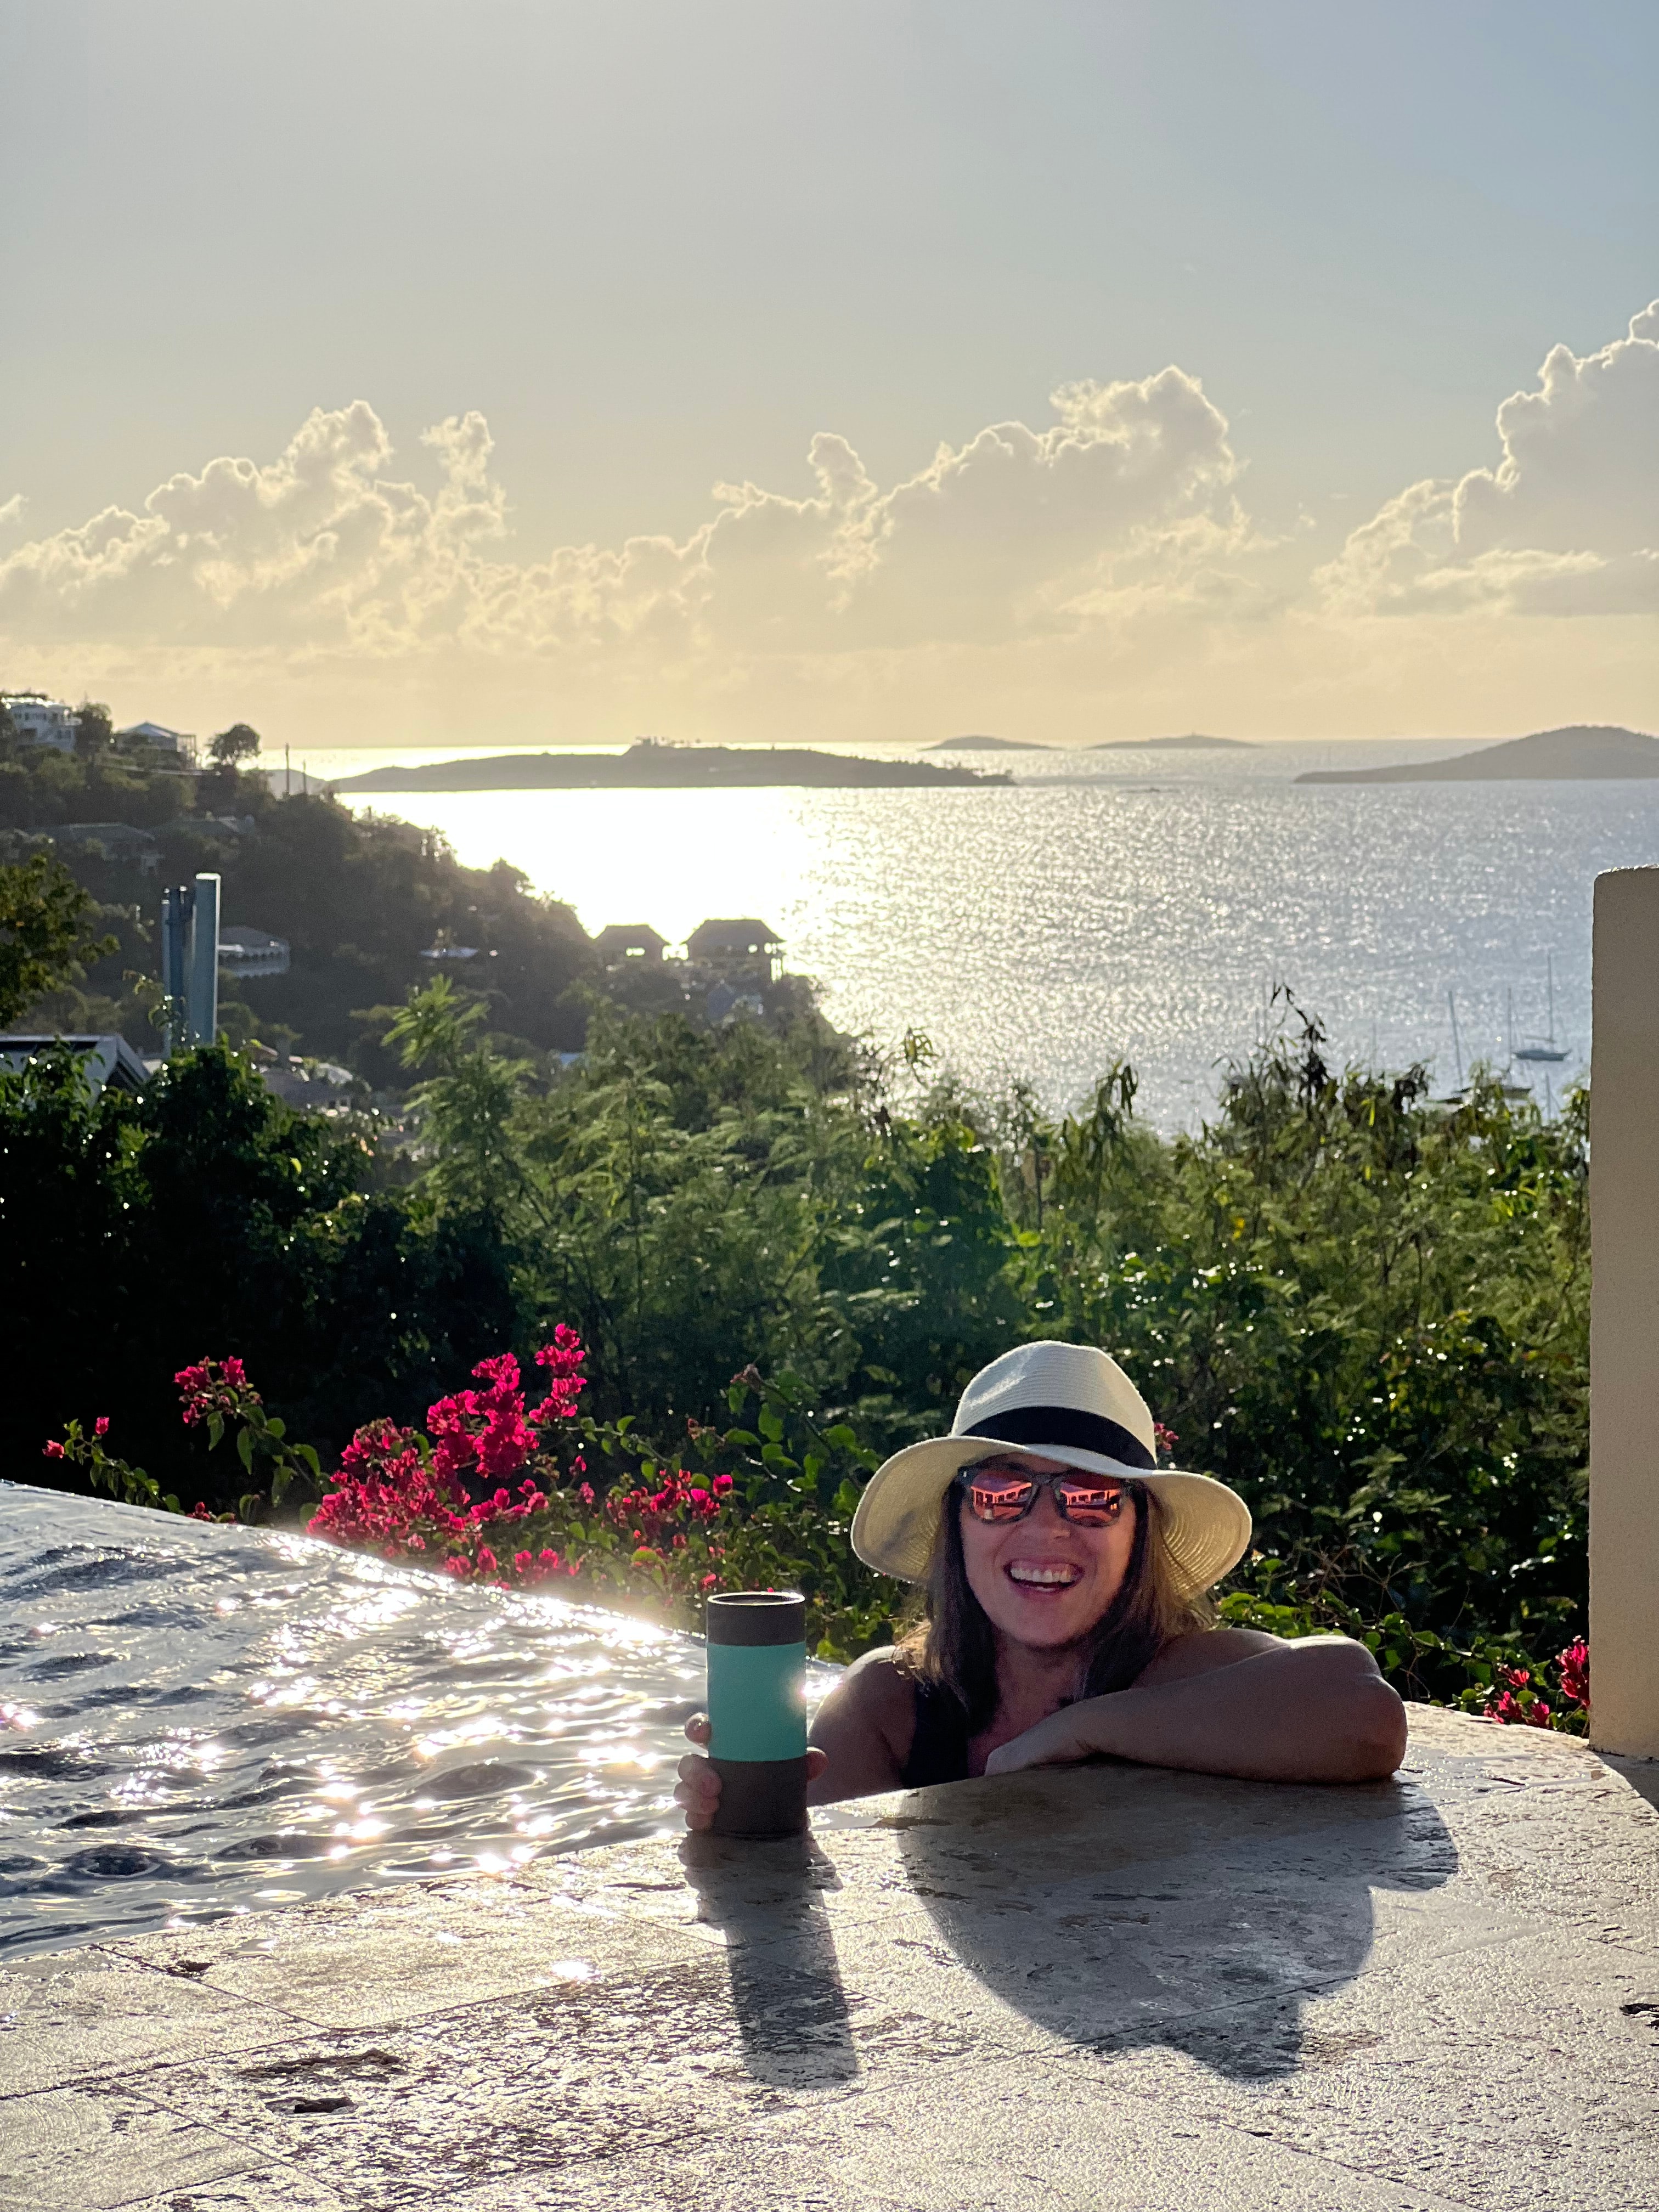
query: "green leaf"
842, 1437
216, 1428
846, 1499
770, 1424
275, 1428
245, 1448
743, 1436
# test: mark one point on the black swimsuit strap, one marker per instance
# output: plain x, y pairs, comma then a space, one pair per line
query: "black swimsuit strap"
939, 1749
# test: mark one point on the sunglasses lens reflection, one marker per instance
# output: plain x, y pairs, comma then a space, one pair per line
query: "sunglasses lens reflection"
1000, 1499
1091, 1506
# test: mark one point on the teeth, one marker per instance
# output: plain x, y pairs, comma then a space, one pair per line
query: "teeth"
1022, 1573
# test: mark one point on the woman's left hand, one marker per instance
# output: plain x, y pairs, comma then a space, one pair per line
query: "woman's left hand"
1057, 1742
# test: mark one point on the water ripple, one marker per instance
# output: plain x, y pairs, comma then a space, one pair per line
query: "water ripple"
241, 1719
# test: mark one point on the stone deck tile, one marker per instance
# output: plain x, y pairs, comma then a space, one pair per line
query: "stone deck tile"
91, 2148
68, 2014
1107, 1987
394, 1956
973, 2142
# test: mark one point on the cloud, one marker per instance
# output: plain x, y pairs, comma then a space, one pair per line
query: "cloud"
315, 547
1129, 490
1091, 574
1567, 524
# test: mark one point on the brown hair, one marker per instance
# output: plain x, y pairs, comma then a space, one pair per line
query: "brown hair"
954, 1646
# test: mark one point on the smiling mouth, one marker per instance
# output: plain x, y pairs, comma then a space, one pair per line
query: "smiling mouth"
1044, 1576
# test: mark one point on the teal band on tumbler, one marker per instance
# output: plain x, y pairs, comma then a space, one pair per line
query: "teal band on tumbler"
757, 1700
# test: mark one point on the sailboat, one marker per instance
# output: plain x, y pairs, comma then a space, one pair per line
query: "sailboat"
1454, 1097
1507, 1089
1550, 1050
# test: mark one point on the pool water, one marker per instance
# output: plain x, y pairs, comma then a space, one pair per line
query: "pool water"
197, 1720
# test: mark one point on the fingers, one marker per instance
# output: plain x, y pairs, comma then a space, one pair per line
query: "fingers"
697, 1727
698, 1790
1050, 1743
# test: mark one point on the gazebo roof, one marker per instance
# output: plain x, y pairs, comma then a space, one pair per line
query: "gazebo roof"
747, 935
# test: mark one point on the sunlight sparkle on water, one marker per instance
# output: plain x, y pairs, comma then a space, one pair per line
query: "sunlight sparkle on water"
1105, 905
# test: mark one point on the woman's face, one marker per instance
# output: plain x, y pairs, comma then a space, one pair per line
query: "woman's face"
1044, 1581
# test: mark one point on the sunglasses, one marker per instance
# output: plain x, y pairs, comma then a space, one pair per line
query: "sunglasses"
1091, 1501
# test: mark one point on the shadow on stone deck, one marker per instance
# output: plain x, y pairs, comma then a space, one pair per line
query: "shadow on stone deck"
1110, 1987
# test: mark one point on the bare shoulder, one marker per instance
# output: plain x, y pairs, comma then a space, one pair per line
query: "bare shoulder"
875, 1691
1205, 1651
1202, 1650
866, 1725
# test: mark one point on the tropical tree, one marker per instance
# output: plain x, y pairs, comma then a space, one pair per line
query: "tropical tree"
239, 743
45, 940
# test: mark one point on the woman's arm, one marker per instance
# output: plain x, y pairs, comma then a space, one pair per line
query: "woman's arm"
1315, 1711
865, 1727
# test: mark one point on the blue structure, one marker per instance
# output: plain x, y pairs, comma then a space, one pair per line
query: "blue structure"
190, 963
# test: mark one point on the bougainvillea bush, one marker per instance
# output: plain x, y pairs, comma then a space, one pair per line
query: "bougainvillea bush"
497, 1489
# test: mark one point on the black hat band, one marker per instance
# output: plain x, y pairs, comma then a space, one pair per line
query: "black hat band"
1069, 1427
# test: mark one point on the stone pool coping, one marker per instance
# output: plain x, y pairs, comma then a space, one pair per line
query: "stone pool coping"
1103, 1987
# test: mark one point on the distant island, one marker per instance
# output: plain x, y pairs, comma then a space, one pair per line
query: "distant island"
1586, 751
1193, 743
976, 745
654, 765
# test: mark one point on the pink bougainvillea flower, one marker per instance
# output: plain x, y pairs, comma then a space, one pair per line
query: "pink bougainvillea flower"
52, 1448
214, 1386
100, 1426
1574, 1663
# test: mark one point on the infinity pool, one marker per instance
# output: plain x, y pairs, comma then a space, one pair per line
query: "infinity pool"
197, 1720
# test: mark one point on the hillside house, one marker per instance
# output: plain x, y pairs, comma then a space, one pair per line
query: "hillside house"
245, 952
747, 948
180, 747
41, 720
117, 842
103, 1059
624, 943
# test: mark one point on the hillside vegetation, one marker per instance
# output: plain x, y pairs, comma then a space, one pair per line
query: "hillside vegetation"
358, 896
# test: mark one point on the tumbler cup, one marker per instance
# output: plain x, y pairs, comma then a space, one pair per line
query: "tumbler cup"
757, 1711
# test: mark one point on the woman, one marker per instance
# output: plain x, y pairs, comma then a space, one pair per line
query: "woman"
1068, 1614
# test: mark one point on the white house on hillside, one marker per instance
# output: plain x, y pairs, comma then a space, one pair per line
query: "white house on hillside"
39, 720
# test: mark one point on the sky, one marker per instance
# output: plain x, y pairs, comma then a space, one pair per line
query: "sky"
526, 371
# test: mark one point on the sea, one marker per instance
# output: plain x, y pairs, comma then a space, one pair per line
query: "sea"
1108, 905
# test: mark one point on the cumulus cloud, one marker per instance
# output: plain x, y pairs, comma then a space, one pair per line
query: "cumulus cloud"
1567, 524
1128, 492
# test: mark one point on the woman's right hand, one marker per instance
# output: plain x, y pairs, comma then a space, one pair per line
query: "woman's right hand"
699, 1787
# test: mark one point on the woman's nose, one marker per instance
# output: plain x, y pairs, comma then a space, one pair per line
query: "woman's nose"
1045, 1509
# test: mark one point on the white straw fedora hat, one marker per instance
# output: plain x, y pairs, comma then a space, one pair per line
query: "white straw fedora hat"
1069, 1402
